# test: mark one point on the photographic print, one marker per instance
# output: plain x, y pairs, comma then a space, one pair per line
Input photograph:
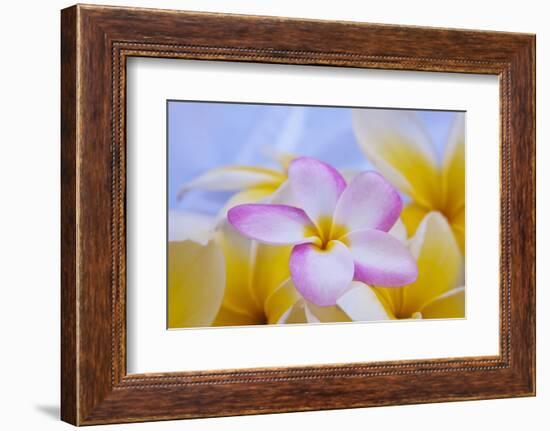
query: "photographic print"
288, 214
270, 212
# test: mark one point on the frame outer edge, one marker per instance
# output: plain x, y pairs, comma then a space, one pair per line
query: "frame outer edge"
69, 202
522, 177
532, 62
533, 54
88, 396
527, 61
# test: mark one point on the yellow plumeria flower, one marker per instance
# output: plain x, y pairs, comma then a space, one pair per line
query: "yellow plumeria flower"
255, 286
216, 277
253, 273
251, 183
259, 289
397, 143
196, 270
247, 283
438, 291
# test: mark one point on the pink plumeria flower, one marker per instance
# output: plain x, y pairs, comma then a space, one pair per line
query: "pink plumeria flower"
339, 232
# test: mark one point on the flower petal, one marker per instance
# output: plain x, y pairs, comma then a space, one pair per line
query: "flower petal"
247, 196
350, 173
369, 202
272, 224
399, 231
295, 314
192, 226
281, 300
396, 142
450, 305
283, 196
454, 167
321, 276
230, 317
332, 314
361, 304
196, 282
239, 296
234, 178
316, 187
412, 215
267, 195
458, 225
440, 263
282, 158
269, 265
254, 271
380, 258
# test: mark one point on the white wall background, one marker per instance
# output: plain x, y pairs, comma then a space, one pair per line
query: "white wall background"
29, 220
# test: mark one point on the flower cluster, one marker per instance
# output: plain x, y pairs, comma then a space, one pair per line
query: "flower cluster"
338, 232
301, 244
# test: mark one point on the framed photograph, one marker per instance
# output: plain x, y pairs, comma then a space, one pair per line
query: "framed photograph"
264, 215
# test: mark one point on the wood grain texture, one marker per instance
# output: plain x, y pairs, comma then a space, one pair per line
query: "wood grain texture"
69, 397
96, 41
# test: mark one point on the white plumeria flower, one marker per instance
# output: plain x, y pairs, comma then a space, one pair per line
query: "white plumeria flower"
338, 232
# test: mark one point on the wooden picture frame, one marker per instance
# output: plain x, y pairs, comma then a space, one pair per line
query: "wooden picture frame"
95, 43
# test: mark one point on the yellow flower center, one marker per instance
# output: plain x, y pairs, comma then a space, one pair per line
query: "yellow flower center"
325, 231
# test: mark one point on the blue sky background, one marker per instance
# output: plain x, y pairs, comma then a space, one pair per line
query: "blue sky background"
202, 136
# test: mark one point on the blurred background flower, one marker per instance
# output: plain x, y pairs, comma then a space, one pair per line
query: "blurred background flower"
438, 292
399, 144
203, 136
